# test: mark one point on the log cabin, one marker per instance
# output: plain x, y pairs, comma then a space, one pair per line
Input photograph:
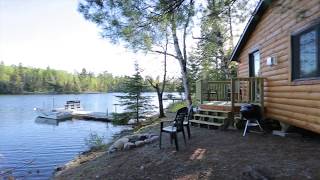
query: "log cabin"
278, 57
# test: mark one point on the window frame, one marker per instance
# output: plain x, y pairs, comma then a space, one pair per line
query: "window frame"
295, 55
252, 63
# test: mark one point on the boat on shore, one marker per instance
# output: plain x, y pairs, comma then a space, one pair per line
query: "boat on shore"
59, 113
53, 114
72, 109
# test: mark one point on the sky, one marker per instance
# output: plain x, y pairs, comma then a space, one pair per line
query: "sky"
39, 33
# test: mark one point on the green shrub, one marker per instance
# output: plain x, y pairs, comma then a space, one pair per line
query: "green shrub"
121, 118
94, 141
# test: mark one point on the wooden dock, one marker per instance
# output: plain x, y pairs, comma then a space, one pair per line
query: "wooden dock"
89, 115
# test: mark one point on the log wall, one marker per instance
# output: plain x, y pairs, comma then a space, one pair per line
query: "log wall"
285, 100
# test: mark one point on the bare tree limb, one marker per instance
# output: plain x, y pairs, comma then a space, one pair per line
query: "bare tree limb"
164, 53
150, 80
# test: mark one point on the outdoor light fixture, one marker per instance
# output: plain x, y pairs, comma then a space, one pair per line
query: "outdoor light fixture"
271, 60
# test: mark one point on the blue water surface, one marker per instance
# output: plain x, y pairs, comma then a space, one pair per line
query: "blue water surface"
34, 148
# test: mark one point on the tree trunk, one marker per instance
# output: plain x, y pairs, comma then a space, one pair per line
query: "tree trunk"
161, 111
186, 85
182, 61
137, 112
230, 27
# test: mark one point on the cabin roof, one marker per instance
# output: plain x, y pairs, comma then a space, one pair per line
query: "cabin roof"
250, 27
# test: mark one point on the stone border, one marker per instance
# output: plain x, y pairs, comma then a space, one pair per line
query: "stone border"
132, 141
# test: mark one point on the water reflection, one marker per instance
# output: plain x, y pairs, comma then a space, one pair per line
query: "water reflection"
40, 120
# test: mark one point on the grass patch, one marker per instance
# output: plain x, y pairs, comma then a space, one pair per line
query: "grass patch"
174, 107
146, 124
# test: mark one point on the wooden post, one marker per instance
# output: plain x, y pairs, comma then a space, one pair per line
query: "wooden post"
251, 90
239, 89
256, 88
232, 97
199, 91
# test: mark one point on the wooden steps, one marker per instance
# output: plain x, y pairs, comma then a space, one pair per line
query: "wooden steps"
209, 116
206, 122
214, 111
218, 118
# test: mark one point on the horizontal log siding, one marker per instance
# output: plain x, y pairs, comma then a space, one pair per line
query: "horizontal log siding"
298, 105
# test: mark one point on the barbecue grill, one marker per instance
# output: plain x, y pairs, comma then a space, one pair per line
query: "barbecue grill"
251, 113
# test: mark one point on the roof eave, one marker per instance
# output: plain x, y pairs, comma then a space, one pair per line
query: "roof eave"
252, 23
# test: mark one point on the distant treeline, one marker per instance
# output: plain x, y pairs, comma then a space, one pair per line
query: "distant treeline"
20, 80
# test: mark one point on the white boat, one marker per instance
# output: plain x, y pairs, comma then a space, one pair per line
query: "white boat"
53, 114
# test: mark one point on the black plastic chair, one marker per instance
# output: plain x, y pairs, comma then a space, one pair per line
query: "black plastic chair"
175, 128
186, 123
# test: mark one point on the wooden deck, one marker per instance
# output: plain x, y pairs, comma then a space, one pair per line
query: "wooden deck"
229, 95
220, 106
220, 101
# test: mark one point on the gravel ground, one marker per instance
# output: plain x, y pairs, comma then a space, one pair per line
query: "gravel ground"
209, 154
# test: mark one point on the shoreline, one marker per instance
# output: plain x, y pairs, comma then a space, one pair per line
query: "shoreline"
90, 154
59, 93
55, 93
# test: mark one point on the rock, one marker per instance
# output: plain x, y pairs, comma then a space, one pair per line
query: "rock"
151, 135
124, 140
134, 121
128, 146
143, 137
119, 144
147, 141
139, 143
154, 138
151, 140
111, 150
60, 168
133, 138
132, 141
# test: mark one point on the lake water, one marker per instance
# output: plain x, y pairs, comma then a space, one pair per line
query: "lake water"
33, 148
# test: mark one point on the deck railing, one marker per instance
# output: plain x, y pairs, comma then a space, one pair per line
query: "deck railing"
213, 90
236, 90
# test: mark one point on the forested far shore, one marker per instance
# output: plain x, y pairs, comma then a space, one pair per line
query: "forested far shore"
19, 79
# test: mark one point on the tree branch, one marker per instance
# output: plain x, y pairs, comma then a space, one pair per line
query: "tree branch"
151, 83
165, 53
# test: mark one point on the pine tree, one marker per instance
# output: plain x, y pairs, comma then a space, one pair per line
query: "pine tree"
135, 103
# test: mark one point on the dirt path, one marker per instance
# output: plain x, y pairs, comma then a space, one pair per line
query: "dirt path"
209, 154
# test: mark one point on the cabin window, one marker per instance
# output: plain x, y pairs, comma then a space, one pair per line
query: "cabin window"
254, 64
306, 54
